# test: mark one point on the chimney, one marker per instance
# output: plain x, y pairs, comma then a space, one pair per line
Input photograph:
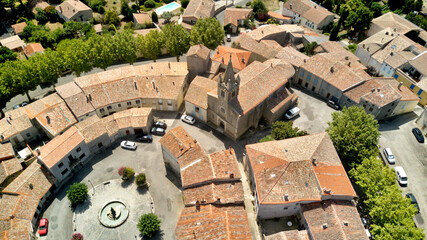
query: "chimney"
229, 150
378, 89
315, 6
48, 119
400, 85
286, 197
345, 223
169, 65
197, 205
325, 225
154, 85
332, 69
10, 117
271, 64
290, 6
305, 60
217, 51
346, 57
173, 83
373, 90
243, 60
314, 162
349, 63
231, 175
136, 86
31, 185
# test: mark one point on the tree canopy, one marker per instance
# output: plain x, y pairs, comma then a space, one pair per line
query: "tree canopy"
354, 134
283, 130
177, 39
207, 31
151, 45
77, 193
6, 54
149, 224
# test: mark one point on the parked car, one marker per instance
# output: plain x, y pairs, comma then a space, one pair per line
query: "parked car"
188, 119
128, 145
389, 155
364, 222
16, 106
413, 201
159, 124
402, 178
43, 226
292, 113
418, 135
158, 131
333, 105
144, 138
228, 38
24, 104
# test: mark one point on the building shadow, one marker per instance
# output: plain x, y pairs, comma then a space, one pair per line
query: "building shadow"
176, 180
394, 123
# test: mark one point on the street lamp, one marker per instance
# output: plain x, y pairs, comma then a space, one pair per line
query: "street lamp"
92, 187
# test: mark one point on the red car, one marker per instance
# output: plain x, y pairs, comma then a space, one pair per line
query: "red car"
43, 226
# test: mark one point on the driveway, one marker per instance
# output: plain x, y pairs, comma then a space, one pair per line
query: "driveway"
411, 155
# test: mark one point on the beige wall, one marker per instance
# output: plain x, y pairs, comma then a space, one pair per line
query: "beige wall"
196, 111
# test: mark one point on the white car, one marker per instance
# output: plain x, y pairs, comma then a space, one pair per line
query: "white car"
389, 155
128, 145
188, 119
401, 176
292, 113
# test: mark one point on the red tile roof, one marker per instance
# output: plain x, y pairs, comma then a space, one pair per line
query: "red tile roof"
6, 151
239, 58
32, 48
197, 93
233, 15
278, 16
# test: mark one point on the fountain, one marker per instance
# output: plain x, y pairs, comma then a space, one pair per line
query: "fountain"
113, 214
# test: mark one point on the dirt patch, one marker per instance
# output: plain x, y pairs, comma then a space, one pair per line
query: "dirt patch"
271, 5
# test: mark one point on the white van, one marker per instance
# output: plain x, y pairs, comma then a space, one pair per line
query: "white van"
292, 113
401, 176
389, 155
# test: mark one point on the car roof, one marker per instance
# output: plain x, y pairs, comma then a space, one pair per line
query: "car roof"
400, 169
43, 221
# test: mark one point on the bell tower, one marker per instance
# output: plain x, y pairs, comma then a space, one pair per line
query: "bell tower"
228, 86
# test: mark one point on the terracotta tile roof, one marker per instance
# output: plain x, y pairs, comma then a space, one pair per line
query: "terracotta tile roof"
161, 69
60, 146
341, 218
37, 107
142, 18
226, 193
239, 58
394, 21
197, 92
297, 6
210, 222
19, 27
199, 9
291, 55
70, 8
383, 97
317, 14
166, 87
76, 100
268, 32
282, 97
32, 48
286, 167
199, 50
420, 63
265, 48
34, 181
122, 90
56, 119
6, 151
405, 93
15, 121
233, 15
9, 167
93, 89
91, 128
111, 125
396, 45
278, 16
116, 74
398, 59
12, 42
334, 72
224, 163
260, 85
378, 40
132, 118
289, 235
177, 141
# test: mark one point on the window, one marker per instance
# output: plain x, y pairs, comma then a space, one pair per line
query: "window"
109, 108
160, 101
129, 103
28, 134
420, 91
101, 110
119, 105
100, 145
82, 156
396, 76
412, 86
197, 109
61, 165
302, 73
64, 172
78, 149
308, 77
138, 101
169, 102
370, 109
389, 110
222, 94
154, 101
392, 104
315, 81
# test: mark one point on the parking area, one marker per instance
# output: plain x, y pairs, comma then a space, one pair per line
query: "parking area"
397, 134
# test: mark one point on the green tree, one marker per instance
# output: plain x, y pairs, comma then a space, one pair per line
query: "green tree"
177, 39
149, 224
141, 180
49, 66
259, 7
102, 50
354, 134
309, 48
76, 54
77, 193
207, 31
45, 38
282, 130
337, 27
360, 16
184, 3
41, 15
376, 9
98, 5
125, 10
167, 16
125, 47
6, 54
403, 231
154, 17
152, 44
128, 172
111, 17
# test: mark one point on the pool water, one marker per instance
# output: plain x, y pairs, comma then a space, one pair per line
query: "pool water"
168, 8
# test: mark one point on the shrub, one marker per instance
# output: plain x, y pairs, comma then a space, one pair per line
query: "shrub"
41, 15
248, 4
167, 16
149, 4
167, 1
111, 17
238, 6
22, 19
77, 236
154, 17
121, 171
77, 193
148, 224
140, 180
98, 5
184, 3
6, 54
128, 172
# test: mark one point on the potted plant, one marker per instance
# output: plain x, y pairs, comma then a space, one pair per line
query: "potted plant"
126, 173
141, 180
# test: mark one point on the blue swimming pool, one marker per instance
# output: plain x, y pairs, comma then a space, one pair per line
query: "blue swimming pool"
168, 8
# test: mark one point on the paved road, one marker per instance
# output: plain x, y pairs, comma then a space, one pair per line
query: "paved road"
411, 155
41, 91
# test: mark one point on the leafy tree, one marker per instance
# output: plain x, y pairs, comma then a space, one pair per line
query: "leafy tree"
359, 17
282, 130
76, 54
207, 31
125, 47
177, 39
267, 138
125, 10
259, 7
98, 5
49, 66
184, 3
41, 15
418, 19
140, 180
354, 134
309, 48
128, 172
394, 4
111, 17
336, 28
51, 13
102, 50
152, 44
45, 38
376, 9
149, 4
77, 193
154, 17
6, 54
167, 16
403, 231
149, 224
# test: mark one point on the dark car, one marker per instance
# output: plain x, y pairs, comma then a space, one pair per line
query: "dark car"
159, 124
158, 131
418, 135
413, 201
333, 105
144, 138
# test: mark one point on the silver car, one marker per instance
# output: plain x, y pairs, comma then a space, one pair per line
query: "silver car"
128, 145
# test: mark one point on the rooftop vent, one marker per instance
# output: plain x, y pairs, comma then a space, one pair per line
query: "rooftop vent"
231, 175
290, 6
286, 197
400, 85
378, 89
373, 89
346, 57
169, 65
325, 225
345, 223
31, 185
243, 60
136, 86
332, 69
349, 64
314, 162
305, 60
327, 191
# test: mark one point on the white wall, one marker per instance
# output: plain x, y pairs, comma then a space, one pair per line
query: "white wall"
386, 70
